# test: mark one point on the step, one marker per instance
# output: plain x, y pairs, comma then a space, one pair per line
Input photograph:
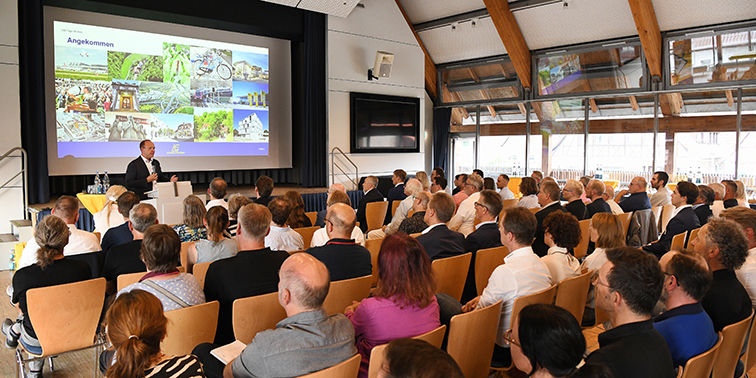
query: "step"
18, 223
8, 238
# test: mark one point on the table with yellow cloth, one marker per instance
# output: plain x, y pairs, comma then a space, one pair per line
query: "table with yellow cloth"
92, 202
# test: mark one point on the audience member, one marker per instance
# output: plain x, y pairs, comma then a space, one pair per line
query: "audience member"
297, 217
606, 232
306, 341
424, 180
403, 303
411, 189
478, 172
608, 196
459, 184
263, 190
217, 246
410, 358
281, 237
719, 193
192, 228
663, 195
627, 289
684, 219
746, 218
488, 183
460, 195
561, 235
253, 271
439, 184
464, 220
548, 198
320, 237
529, 190
416, 223
217, 193
438, 240
571, 192
740, 194
537, 176
397, 192
731, 188
120, 234
702, 206
343, 257
320, 220
502, 183
486, 235
235, 202
634, 197
370, 187
585, 180
685, 325
725, 247
109, 217
127, 258
595, 192
439, 172
160, 252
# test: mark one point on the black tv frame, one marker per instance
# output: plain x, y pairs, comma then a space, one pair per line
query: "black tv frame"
354, 96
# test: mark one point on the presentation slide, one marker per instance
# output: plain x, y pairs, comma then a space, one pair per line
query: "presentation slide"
189, 96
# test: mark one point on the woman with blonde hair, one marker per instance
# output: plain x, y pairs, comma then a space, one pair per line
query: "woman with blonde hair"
606, 231
135, 325
109, 216
192, 229
424, 180
740, 194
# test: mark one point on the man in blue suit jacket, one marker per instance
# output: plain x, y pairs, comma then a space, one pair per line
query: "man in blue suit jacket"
396, 193
438, 240
683, 219
144, 170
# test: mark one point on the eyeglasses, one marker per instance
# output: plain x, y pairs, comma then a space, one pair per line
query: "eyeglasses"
567, 190
481, 205
509, 340
595, 281
327, 220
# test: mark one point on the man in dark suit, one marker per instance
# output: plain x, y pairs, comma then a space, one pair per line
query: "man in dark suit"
438, 240
370, 187
634, 197
595, 191
702, 206
143, 171
684, 218
548, 198
486, 235
343, 257
396, 193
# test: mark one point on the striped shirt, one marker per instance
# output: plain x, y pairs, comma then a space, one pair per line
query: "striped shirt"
187, 366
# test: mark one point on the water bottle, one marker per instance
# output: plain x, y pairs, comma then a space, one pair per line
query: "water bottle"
12, 261
699, 176
105, 182
97, 183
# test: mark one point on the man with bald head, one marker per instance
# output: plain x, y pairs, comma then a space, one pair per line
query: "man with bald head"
594, 191
320, 220
608, 196
343, 257
634, 197
253, 271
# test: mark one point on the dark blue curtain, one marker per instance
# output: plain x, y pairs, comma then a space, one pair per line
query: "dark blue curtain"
314, 154
441, 128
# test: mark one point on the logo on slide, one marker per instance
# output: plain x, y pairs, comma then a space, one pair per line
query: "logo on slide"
175, 150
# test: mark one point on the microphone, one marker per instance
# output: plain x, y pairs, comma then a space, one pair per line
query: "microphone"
155, 167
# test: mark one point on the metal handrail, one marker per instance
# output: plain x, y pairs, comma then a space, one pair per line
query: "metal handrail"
334, 165
21, 172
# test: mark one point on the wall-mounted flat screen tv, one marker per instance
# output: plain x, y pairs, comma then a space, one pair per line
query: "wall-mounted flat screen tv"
384, 123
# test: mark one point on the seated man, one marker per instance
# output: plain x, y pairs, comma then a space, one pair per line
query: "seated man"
725, 247
608, 196
416, 222
126, 258
343, 257
634, 197
729, 199
627, 288
438, 184
746, 218
459, 192
702, 206
683, 219
66, 208
320, 237
685, 325
411, 189
253, 271
595, 192
370, 187
121, 234
548, 198
263, 190
308, 340
438, 240
502, 183
486, 235
217, 192
320, 219
281, 236
464, 220
663, 195
397, 193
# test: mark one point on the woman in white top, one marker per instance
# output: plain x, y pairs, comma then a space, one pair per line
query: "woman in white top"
216, 246
109, 216
740, 194
606, 232
561, 234
529, 190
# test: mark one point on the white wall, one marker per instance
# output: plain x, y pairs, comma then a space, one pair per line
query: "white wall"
352, 43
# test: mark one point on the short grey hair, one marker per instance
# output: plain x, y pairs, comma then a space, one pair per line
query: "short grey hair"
414, 187
142, 215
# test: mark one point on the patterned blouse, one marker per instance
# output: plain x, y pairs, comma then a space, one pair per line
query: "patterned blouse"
413, 224
188, 234
187, 366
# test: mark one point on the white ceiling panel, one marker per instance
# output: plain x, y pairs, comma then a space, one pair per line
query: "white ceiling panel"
672, 16
339, 8
583, 21
427, 10
464, 43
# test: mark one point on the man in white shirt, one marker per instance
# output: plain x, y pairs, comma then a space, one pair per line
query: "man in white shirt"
411, 189
502, 183
66, 208
143, 172
217, 192
281, 237
746, 218
464, 220
609, 198
663, 195
320, 237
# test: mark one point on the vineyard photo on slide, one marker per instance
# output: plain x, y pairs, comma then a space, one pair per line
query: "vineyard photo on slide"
138, 67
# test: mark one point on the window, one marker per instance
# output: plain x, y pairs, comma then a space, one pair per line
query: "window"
479, 81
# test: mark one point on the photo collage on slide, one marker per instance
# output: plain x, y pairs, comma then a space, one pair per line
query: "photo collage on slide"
194, 92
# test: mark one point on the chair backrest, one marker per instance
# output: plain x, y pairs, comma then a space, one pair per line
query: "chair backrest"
486, 261
374, 246
184, 251
375, 214
306, 233
378, 354
76, 307
471, 339
124, 280
200, 271
346, 369
572, 292
585, 238
451, 274
96, 260
732, 344
189, 327
625, 219
99, 236
435, 337
700, 366
693, 235
657, 210
416, 234
678, 241
342, 293
749, 358
666, 215
255, 314
313, 215
394, 206
410, 213
509, 203
545, 296
534, 209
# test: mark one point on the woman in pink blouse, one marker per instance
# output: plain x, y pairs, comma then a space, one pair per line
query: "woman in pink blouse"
403, 303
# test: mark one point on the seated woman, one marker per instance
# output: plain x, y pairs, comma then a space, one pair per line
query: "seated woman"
160, 252
424, 180
606, 232
403, 303
135, 325
529, 190
297, 217
217, 246
282, 237
410, 358
561, 234
192, 229
109, 216
573, 193
235, 202
51, 269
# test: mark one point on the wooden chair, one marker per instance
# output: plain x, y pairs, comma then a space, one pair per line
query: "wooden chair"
343, 293
255, 314
375, 214
625, 218
124, 280
486, 261
471, 339
700, 366
394, 205
534, 209
410, 212
678, 241
732, 344
200, 271
666, 215
571, 293
657, 210
749, 358
346, 369
99, 237
76, 307
374, 246
693, 236
435, 337
451, 274
585, 238
189, 327
184, 251
416, 234
313, 215
306, 233
509, 203
378, 354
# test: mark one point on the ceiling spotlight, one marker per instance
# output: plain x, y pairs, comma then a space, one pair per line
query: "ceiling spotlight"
565, 4
454, 26
472, 23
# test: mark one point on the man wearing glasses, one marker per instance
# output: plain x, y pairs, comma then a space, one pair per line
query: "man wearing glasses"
634, 197
486, 235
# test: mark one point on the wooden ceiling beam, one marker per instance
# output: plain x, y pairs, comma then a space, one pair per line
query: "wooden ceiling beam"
512, 37
430, 67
